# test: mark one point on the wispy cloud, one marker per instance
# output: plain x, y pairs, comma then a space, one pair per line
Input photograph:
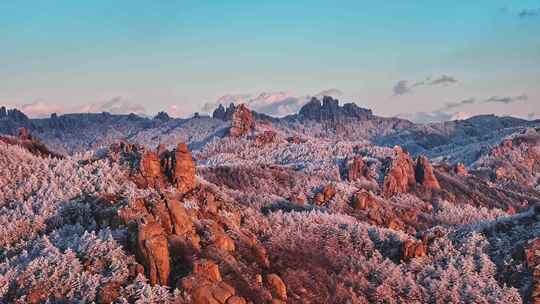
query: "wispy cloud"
116, 105
507, 99
402, 87
39, 109
453, 105
529, 13
445, 113
444, 80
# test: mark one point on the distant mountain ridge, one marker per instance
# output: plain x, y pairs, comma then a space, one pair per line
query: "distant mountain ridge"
324, 118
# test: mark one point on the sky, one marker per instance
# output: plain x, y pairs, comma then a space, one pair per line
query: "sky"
423, 60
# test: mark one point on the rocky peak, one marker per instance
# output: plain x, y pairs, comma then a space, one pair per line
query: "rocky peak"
162, 116
329, 110
157, 169
224, 114
424, 174
401, 175
242, 122
13, 114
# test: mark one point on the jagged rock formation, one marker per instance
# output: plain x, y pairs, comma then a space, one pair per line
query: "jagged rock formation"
224, 114
153, 252
356, 168
330, 110
277, 287
157, 169
13, 114
364, 200
242, 122
401, 176
162, 116
180, 168
413, 249
327, 193
424, 174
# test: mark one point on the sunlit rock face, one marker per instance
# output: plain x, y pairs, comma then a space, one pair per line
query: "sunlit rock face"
242, 122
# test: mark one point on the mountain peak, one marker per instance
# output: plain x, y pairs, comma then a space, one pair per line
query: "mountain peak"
330, 109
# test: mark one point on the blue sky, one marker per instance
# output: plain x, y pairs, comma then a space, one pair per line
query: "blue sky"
67, 54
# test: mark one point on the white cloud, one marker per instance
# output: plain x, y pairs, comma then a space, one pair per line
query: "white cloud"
117, 105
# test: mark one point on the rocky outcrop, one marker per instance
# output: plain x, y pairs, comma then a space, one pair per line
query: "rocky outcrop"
157, 228
242, 123
413, 249
206, 286
183, 175
153, 252
364, 200
424, 174
330, 110
224, 114
326, 194
403, 174
157, 169
356, 169
400, 176
151, 174
277, 287
13, 115
162, 116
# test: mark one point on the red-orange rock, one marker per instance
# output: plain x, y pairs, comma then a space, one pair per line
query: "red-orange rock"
326, 194
207, 269
153, 252
184, 169
413, 249
236, 300
363, 200
181, 222
206, 286
242, 122
150, 171
424, 174
400, 176
108, 293
276, 286
356, 168
223, 242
